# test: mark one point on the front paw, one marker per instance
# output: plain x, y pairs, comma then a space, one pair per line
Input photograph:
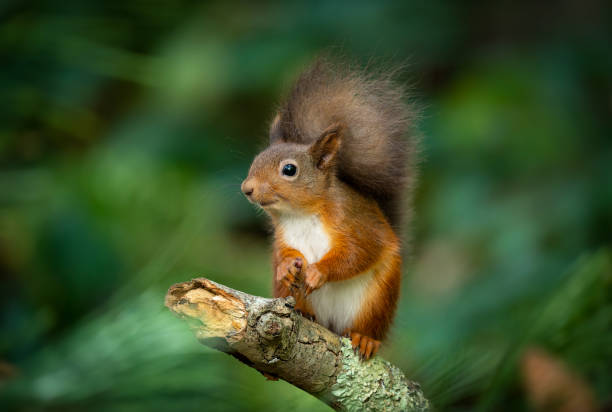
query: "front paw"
313, 279
288, 273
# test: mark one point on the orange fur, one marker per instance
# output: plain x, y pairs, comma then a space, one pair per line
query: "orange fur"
361, 240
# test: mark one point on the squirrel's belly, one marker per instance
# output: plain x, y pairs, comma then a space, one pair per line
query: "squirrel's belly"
337, 304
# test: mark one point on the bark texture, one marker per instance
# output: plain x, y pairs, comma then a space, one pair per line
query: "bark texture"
268, 335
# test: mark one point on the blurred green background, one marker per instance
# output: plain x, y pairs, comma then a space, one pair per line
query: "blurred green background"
127, 127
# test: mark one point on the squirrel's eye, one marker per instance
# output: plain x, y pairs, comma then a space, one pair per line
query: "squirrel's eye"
289, 169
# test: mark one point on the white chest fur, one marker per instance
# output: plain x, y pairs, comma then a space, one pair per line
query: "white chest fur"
306, 234
336, 304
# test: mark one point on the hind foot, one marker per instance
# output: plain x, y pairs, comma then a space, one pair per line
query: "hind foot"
364, 346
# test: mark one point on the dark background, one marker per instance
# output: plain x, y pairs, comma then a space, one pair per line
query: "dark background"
127, 127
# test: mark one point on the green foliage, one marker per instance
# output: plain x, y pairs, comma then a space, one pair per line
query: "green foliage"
127, 128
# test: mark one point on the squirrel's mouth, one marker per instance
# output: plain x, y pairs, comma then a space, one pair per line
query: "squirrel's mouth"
268, 203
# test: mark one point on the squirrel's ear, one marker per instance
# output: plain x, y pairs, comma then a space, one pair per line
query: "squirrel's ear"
325, 149
276, 132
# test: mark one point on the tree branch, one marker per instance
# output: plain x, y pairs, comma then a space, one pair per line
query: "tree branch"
268, 335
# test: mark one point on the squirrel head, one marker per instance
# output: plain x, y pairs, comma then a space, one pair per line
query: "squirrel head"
292, 177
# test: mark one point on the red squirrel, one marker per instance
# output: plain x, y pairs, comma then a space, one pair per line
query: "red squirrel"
333, 182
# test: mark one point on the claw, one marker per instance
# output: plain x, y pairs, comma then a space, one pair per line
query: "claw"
355, 338
364, 346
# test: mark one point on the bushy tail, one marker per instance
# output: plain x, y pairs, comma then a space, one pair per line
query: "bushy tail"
378, 154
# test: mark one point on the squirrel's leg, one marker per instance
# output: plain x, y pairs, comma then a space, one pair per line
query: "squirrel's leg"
289, 271
288, 264
374, 319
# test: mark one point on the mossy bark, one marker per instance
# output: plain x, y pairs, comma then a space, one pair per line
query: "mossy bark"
268, 335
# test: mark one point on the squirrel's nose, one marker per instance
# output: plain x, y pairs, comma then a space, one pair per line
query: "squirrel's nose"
247, 187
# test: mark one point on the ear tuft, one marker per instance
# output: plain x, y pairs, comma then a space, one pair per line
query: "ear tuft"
276, 131
324, 151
